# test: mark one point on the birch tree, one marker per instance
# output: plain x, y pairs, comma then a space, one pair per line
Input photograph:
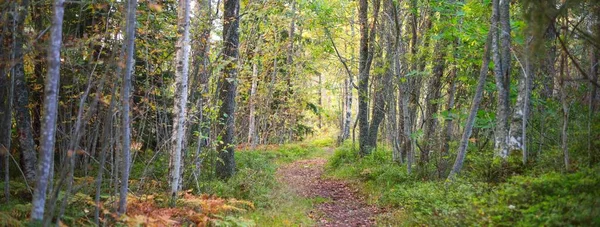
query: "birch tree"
181, 96
50, 113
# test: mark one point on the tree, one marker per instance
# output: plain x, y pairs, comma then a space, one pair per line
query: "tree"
501, 57
366, 51
201, 75
181, 96
125, 99
227, 82
21, 94
518, 127
6, 97
50, 112
464, 141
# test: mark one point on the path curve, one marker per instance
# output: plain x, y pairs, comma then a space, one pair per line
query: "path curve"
343, 205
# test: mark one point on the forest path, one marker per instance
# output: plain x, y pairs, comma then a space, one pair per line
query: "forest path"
340, 204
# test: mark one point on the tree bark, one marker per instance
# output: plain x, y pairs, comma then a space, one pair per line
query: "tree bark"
365, 59
252, 140
594, 66
51, 91
181, 97
432, 100
464, 141
228, 84
518, 127
6, 98
564, 74
501, 57
126, 97
107, 132
28, 153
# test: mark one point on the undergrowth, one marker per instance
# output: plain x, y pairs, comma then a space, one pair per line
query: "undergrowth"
527, 197
252, 197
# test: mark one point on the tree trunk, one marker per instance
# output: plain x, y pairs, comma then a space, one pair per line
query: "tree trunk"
365, 59
107, 132
225, 128
252, 140
464, 141
348, 109
594, 66
320, 100
6, 98
407, 126
22, 115
501, 57
126, 97
201, 75
181, 97
548, 69
433, 95
518, 133
564, 75
51, 91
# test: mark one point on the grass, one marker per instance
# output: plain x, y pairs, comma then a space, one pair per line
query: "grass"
532, 198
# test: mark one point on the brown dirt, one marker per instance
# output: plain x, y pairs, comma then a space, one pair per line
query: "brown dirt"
343, 205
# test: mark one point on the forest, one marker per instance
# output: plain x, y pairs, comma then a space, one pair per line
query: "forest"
299, 113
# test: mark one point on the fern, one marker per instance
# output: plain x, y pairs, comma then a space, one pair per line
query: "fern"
8, 220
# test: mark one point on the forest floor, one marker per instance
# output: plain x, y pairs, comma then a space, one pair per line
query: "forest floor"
341, 204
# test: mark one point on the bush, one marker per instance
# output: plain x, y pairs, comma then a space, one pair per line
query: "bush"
253, 181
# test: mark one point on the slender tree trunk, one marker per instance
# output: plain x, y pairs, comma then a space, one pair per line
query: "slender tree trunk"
126, 97
107, 132
252, 140
348, 109
594, 66
501, 57
181, 97
202, 74
564, 74
382, 87
446, 134
290, 54
228, 84
6, 99
51, 90
517, 140
565, 115
464, 141
407, 126
433, 95
22, 115
548, 69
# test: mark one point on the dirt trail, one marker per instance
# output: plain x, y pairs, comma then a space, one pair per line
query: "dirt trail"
343, 206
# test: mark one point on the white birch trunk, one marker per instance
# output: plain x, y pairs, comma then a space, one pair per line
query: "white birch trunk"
181, 95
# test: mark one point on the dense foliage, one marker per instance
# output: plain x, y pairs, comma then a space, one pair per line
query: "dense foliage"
447, 112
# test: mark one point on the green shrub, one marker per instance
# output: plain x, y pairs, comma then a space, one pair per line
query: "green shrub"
253, 181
